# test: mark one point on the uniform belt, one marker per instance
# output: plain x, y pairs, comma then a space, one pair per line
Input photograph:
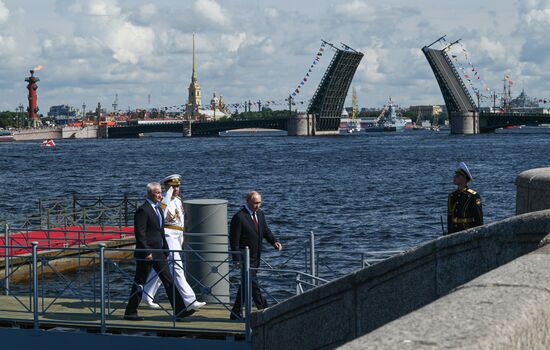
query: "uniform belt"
463, 220
174, 227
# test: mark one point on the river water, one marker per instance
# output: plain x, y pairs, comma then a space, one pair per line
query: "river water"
356, 192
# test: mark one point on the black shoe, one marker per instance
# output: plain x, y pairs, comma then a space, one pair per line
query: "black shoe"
236, 316
186, 313
133, 317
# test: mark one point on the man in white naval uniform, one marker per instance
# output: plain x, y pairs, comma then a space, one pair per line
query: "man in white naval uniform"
173, 213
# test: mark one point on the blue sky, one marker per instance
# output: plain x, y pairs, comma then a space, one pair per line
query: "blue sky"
94, 49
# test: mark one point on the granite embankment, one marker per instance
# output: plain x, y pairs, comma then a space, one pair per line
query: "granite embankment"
487, 287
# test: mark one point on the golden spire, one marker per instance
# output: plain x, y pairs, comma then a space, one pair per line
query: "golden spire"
194, 76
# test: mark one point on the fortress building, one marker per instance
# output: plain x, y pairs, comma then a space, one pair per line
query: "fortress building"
194, 103
194, 108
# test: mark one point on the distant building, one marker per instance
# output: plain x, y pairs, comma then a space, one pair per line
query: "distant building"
194, 107
427, 111
194, 102
62, 111
217, 109
63, 114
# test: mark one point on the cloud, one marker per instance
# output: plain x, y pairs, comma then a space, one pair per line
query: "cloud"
355, 9
233, 42
148, 10
271, 12
103, 8
130, 42
212, 11
4, 13
494, 49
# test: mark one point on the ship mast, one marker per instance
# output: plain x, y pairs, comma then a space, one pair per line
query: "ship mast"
354, 107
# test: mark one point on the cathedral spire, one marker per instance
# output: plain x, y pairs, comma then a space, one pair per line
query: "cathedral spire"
194, 76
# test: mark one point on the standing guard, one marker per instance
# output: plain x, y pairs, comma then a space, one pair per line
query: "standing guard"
464, 208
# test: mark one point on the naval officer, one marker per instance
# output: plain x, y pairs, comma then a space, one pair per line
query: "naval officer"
173, 214
464, 206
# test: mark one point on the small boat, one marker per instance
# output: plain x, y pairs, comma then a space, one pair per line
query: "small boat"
6, 135
354, 126
47, 143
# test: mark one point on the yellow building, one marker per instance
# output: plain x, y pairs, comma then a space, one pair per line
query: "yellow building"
194, 102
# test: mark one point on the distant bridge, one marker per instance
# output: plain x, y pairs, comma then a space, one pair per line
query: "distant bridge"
323, 113
194, 128
461, 108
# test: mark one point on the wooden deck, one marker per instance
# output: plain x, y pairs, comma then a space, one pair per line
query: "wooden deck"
211, 321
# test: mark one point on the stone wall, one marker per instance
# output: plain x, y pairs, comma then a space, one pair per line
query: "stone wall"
37, 134
75, 132
507, 308
533, 190
361, 302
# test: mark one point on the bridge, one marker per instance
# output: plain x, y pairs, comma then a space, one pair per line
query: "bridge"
322, 116
193, 128
464, 115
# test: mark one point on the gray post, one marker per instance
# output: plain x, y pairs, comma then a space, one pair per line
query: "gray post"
206, 243
35, 283
247, 294
7, 258
102, 285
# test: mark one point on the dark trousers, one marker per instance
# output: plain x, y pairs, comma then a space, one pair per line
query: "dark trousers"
143, 268
259, 300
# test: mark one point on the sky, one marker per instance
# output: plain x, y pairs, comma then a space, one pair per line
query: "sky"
261, 50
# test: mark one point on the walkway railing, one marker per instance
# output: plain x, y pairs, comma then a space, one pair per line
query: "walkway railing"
78, 271
96, 295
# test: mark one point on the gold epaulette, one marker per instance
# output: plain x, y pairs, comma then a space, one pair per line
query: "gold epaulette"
471, 191
163, 206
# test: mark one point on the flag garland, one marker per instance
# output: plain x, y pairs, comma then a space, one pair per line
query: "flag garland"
470, 74
316, 60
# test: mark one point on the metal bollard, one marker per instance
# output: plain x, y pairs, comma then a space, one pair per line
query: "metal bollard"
7, 258
312, 254
247, 294
35, 283
102, 285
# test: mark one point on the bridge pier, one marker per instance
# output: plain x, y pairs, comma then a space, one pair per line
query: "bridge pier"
301, 125
187, 128
466, 123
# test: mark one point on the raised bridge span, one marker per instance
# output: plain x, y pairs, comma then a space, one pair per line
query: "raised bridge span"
464, 115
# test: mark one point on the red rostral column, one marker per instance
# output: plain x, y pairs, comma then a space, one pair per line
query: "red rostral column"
33, 99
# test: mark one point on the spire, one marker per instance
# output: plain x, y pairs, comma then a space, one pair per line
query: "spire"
194, 76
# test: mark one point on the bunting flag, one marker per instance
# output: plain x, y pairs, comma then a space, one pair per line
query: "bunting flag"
316, 60
470, 74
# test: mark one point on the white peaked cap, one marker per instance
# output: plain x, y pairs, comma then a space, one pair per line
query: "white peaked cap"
463, 169
172, 180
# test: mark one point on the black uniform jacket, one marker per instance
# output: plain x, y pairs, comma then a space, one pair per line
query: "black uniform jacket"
148, 231
242, 233
464, 210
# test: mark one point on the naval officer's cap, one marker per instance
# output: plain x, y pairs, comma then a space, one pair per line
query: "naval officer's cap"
463, 170
172, 180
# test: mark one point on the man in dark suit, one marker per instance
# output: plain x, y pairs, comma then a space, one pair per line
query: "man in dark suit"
248, 228
149, 232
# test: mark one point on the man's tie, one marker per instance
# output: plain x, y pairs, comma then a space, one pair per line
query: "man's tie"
255, 222
158, 214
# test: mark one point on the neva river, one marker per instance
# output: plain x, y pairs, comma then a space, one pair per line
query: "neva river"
359, 192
